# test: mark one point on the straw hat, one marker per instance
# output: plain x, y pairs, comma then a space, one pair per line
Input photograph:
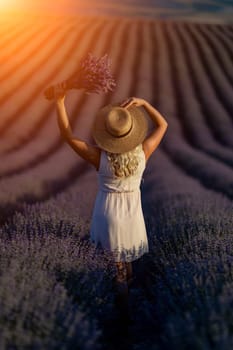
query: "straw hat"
118, 130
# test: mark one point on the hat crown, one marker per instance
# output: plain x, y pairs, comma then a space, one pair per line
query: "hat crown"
117, 129
118, 122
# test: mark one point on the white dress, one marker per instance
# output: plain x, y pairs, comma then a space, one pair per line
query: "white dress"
117, 221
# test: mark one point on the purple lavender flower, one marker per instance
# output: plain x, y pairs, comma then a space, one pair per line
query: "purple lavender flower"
93, 75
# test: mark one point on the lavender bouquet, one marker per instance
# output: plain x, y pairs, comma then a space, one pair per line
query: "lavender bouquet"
93, 75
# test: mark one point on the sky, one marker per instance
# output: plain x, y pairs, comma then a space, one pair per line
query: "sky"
212, 9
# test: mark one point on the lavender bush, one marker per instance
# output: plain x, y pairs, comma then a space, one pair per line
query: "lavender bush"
56, 288
190, 263
54, 285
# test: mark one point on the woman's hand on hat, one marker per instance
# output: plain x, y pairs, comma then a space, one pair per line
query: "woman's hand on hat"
133, 101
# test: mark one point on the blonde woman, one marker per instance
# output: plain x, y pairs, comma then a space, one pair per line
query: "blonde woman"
123, 148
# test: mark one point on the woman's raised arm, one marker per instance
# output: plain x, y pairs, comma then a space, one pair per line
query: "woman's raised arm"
153, 140
90, 153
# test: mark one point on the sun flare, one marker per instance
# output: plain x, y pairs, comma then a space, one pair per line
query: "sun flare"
8, 4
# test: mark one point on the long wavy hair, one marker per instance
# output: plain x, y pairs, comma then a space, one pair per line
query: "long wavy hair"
124, 164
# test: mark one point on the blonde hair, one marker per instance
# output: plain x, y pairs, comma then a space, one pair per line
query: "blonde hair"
124, 164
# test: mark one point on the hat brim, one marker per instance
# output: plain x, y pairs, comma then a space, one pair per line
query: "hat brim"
120, 144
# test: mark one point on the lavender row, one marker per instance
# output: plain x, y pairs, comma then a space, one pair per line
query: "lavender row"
191, 113
39, 114
207, 170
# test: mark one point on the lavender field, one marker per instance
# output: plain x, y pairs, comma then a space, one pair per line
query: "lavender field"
55, 289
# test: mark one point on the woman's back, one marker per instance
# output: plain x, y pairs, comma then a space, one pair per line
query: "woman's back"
121, 173
117, 220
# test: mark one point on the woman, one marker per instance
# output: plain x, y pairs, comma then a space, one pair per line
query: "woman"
123, 148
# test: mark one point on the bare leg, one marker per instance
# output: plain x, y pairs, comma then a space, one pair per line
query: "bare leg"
121, 289
121, 271
129, 270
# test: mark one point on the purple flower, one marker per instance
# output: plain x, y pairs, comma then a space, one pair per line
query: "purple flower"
93, 75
